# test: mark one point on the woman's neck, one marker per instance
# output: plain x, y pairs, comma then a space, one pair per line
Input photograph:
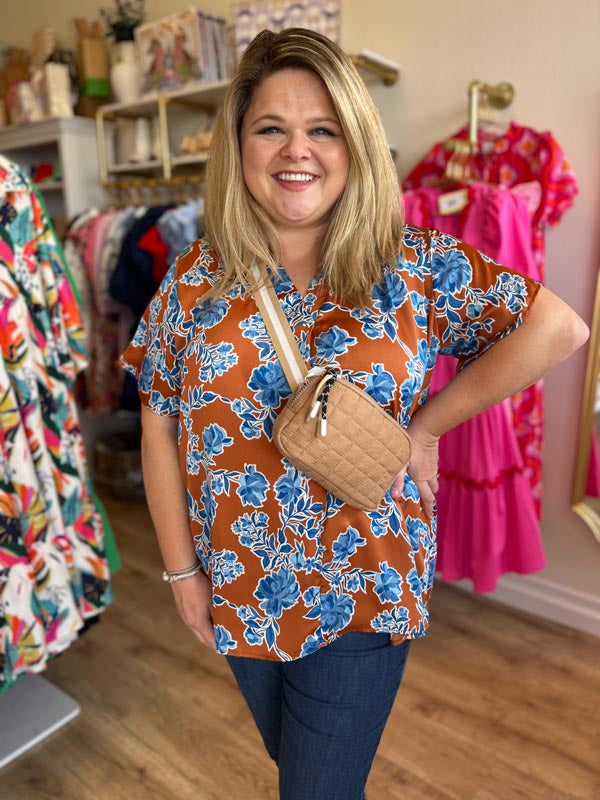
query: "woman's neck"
301, 256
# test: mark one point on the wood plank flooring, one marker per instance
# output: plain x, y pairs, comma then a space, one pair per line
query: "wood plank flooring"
495, 705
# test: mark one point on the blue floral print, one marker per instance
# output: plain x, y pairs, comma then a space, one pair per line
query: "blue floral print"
380, 385
388, 584
225, 567
210, 314
223, 640
336, 611
346, 544
253, 486
293, 567
215, 440
269, 384
391, 294
332, 343
277, 591
452, 271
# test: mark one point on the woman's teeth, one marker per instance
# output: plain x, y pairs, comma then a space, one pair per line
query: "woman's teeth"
298, 177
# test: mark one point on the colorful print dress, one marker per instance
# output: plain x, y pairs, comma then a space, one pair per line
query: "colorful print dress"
292, 567
53, 571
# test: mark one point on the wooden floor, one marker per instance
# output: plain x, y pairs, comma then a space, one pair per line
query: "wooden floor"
495, 705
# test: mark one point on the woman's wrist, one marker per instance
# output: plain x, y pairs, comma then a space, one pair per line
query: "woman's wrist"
419, 427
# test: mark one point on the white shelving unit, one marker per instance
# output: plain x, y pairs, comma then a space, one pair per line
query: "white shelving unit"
179, 113
71, 141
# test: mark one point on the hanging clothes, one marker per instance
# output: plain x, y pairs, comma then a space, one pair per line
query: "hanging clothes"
73, 248
180, 226
487, 521
132, 283
93, 244
520, 155
54, 573
119, 258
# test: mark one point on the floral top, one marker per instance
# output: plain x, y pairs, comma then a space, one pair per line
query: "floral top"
292, 567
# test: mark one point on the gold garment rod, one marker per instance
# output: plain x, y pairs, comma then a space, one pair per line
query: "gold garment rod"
155, 190
499, 95
141, 183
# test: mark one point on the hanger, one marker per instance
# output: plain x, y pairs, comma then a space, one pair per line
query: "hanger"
484, 99
457, 176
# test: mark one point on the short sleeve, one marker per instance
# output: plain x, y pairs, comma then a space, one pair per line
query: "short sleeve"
155, 355
562, 188
476, 301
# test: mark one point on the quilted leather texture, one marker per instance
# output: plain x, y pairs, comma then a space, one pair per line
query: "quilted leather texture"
360, 456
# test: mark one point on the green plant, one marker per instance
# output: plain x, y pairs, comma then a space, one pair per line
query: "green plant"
123, 18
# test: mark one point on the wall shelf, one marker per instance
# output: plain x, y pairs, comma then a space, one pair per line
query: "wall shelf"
51, 186
133, 167
170, 108
181, 161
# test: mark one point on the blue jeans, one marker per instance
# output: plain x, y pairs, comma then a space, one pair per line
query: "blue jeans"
321, 716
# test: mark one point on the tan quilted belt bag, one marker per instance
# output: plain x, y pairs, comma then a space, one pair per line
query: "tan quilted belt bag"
330, 429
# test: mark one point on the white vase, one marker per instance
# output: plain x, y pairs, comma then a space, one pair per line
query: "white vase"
125, 73
143, 144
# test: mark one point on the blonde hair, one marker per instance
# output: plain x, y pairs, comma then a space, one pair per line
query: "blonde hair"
365, 227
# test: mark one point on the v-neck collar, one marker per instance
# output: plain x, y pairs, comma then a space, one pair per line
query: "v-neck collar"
285, 284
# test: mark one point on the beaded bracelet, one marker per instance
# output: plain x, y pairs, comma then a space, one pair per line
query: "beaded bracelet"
174, 576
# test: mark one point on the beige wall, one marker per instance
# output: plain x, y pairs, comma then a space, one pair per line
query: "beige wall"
549, 50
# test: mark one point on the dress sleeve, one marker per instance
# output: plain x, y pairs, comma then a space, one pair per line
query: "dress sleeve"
561, 187
155, 355
476, 301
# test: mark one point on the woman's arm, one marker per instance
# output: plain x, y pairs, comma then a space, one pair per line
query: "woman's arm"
550, 332
167, 501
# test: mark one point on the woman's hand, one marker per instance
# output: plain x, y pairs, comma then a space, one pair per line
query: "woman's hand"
422, 466
193, 598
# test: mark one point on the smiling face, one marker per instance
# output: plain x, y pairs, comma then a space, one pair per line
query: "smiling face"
295, 159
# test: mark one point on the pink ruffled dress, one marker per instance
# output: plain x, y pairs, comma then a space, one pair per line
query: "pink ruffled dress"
513, 159
487, 520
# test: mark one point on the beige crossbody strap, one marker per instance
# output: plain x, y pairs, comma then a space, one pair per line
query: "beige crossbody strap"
286, 346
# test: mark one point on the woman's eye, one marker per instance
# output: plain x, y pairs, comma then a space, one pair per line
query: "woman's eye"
322, 132
270, 130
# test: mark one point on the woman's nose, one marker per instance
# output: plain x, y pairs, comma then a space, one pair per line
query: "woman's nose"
296, 147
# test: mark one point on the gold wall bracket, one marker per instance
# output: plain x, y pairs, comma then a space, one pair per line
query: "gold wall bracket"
378, 66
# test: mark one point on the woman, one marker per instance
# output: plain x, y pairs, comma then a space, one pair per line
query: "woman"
313, 602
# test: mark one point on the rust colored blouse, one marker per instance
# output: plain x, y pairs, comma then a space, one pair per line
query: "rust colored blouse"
292, 567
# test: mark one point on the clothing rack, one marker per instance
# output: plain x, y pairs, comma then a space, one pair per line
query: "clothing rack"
147, 190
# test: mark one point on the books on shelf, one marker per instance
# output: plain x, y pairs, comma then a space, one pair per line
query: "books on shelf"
187, 47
